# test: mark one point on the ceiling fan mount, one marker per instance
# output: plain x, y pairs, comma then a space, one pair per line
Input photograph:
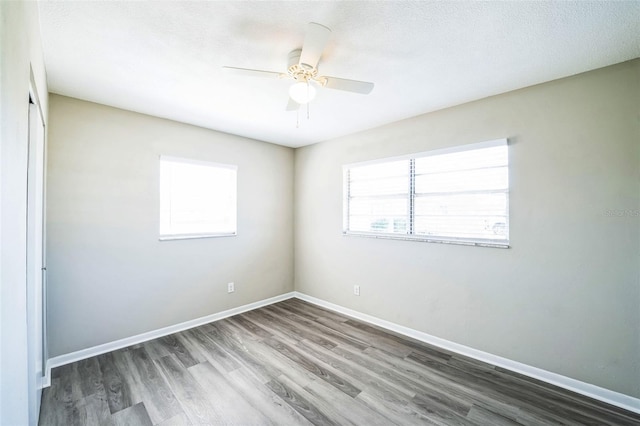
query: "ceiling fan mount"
302, 67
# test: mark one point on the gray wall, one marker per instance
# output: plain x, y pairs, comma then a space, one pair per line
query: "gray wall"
566, 296
21, 52
109, 276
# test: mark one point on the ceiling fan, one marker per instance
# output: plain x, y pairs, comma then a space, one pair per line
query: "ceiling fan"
303, 69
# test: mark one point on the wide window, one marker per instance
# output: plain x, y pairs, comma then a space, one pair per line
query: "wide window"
458, 195
197, 198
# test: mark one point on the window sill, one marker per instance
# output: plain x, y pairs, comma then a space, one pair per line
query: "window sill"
193, 236
488, 243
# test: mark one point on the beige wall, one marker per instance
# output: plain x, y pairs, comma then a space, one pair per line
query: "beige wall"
109, 276
21, 54
566, 296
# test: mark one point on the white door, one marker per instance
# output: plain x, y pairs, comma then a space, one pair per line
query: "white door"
35, 260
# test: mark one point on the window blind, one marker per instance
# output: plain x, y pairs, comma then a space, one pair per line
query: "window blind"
455, 195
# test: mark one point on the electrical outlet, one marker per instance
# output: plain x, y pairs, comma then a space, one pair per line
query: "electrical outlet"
231, 288
356, 290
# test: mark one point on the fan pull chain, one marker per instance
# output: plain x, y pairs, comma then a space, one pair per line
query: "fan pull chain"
308, 99
300, 107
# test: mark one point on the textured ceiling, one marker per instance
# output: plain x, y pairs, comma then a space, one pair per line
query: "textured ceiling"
165, 58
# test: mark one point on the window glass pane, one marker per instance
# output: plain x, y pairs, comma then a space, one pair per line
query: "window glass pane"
390, 178
386, 215
197, 198
494, 204
378, 224
379, 206
463, 195
380, 170
466, 180
383, 186
463, 227
379, 197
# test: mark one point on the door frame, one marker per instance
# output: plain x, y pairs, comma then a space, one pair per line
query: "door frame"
36, 252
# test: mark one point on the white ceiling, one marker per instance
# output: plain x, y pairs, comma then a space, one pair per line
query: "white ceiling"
165, 58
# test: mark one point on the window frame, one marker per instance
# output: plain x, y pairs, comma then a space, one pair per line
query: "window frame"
195, 235
410, 235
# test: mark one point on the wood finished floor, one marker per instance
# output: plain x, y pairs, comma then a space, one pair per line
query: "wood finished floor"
293, 363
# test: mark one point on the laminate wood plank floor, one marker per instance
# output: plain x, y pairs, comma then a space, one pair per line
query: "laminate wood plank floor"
293, 363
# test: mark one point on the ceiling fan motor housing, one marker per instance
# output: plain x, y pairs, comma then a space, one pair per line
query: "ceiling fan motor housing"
299, 71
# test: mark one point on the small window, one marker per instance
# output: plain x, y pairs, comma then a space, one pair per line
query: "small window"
458, 195
197, 199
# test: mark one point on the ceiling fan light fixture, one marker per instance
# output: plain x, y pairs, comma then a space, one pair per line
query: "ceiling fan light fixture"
302, 92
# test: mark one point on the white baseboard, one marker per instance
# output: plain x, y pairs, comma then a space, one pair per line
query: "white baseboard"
596, 392
150, 335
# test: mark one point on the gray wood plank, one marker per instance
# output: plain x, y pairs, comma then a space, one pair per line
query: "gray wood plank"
323, 372
136, 415
298, 399
115, 385
151, 388
431, 400
412, 373
275, 361
279, 363
362, 376
272, 406
90, 376
405, 341
229, 405
192, 397
436, 409
174, 346
293, 309
598, 412
69, 383
198, 340
316, 310
253, 328
186, 339
375, 340
318, 328
179, 420
289, 328
340, 405
543, 409
95, 410
397, 411
233, 342
58, 406
481, 416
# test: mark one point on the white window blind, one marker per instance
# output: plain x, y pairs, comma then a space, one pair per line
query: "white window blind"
197, 198
379, 196
458, 195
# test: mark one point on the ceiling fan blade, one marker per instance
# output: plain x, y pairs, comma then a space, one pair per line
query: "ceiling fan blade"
254, 73
355, 86
314, 43
292, 105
